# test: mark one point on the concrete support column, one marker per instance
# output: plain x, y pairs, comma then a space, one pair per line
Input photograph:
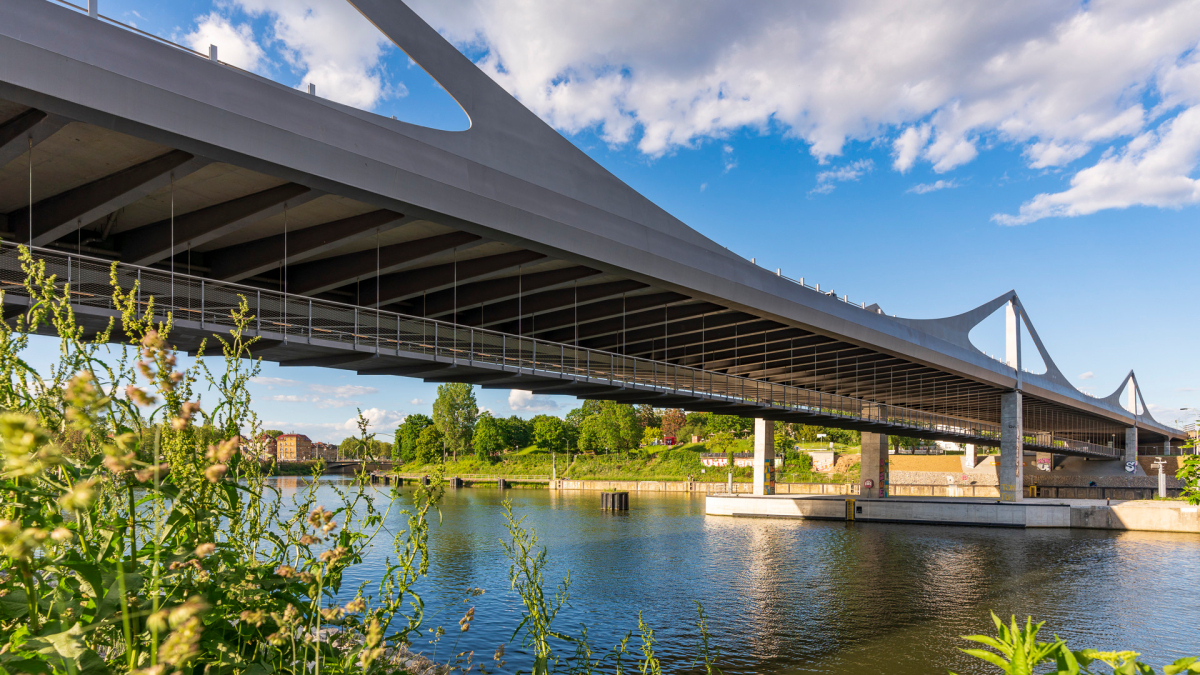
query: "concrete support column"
1131, 445
873, 465
764, 457
1012, 448
1167, 447
969, 458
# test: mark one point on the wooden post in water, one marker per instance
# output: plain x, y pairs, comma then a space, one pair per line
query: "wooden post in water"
614, 501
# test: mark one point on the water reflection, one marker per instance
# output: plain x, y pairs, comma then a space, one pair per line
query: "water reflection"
804, 597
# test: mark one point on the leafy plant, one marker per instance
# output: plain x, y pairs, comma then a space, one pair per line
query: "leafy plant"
1016, 650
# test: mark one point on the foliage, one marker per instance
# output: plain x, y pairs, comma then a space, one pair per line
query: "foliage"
588, 408
488, 438
673, 420
136, 536
1017, 651
591, 435
1189, 473
407, 434
430, 445
549, 432
454, 414
518, 433
647, 416
651, 435
738, 426
273, 433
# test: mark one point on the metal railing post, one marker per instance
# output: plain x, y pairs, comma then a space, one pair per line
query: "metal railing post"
138, 299
471, 354
310, 321
257, 314
202, 284
356, 326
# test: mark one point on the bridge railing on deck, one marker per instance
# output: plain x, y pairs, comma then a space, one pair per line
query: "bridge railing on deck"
306, 320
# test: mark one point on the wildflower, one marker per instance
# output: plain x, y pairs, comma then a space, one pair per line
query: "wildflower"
205, 550
335, 554
356, 605
61, 535
373, 648
157, 621
215, 473
27, 450
499, 653
464, 624
156, 473
156, 669
309, 540
139, 396
119, 463
84, 399
254, 618
332, 613
286, 571
187, 611
151, 341
20, 544
182, 645
79, 498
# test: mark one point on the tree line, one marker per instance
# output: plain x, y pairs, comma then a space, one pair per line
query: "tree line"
458, 428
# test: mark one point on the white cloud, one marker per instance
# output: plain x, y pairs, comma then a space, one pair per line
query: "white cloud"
935, 79
338, 396
703, 187
527, 401
923, 188
327, 41
417, 401
727, 158
1087, 376
272, 382
827, 180
343, 390
1154, 169
235, 43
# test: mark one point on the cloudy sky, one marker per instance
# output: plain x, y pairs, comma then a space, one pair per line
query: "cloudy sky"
926, 155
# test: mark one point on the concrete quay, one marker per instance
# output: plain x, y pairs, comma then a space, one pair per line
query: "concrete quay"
1153, 516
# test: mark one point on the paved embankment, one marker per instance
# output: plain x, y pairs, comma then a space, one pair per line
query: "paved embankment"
1157, 516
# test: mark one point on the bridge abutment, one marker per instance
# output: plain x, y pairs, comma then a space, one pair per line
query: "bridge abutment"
873, 465
1012, 447
764, 457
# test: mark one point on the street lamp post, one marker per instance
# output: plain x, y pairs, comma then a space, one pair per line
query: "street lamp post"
1195, 431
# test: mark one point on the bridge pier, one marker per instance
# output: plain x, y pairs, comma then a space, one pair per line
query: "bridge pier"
764, 457
1012, 447
970, 459
873, 465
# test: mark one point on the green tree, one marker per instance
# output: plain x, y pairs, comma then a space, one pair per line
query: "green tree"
549, 432
454, 414
406, 436
576, 417
591, 437
723, 443
429, 445
619, 425
488, 438
518, 433
273, 433
729, 423
651, 435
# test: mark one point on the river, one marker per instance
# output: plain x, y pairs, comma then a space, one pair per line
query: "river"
794, 596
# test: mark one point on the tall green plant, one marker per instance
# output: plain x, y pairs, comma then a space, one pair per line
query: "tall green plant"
137, 536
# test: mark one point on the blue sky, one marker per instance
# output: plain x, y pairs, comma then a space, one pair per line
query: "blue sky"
927, 160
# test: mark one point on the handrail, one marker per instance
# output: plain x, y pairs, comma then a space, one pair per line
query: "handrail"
208, 304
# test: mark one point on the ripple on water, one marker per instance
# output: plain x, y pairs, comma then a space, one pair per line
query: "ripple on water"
803, 597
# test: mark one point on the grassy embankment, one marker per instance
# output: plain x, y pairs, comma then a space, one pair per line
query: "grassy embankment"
666, 464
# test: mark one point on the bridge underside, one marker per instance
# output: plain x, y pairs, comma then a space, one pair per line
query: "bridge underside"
103, 191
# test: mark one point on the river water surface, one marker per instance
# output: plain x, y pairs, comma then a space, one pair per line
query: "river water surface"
795, 596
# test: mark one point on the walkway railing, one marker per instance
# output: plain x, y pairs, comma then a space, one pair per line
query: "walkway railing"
294, 318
